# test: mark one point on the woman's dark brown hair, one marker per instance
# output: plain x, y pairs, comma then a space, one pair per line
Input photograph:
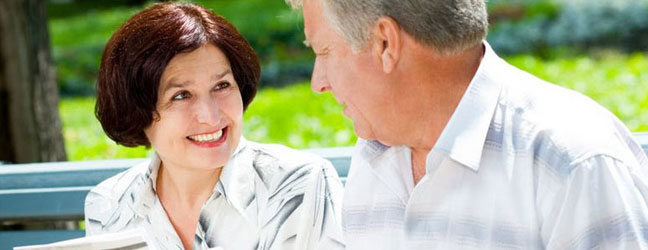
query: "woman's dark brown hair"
138, 52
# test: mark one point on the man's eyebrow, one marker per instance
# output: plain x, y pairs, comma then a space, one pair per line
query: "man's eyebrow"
307, 43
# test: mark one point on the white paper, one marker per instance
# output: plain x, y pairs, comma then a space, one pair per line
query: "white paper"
133, 239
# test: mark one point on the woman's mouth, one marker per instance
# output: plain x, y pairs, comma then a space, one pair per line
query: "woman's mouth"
209, 139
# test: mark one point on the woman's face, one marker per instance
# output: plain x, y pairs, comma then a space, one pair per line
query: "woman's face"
200, 111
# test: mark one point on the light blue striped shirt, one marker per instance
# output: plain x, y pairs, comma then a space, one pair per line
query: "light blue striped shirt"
522, 164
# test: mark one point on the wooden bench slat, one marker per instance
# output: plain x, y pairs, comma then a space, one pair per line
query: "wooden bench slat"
10, 239
50, 203
61, 174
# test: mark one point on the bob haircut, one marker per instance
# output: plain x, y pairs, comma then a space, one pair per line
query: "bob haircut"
139, 51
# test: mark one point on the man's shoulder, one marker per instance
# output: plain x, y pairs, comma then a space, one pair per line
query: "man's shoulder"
538, 115
552, 120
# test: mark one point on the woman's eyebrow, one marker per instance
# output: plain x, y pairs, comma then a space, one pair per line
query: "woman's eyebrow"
221, 74
173, 84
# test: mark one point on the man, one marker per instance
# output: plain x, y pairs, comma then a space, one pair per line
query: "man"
460, 150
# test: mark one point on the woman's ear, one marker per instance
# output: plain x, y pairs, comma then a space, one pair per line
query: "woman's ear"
387, 42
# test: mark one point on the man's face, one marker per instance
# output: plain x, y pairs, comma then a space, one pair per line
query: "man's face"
356, 79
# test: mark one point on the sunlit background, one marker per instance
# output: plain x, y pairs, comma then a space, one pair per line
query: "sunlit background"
599, 48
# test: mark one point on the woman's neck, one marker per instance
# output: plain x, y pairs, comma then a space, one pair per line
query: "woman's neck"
189, 188
182, 192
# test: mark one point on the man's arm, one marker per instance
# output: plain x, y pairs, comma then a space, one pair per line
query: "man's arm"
602, 205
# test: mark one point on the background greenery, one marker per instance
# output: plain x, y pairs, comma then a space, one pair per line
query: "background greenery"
595, 47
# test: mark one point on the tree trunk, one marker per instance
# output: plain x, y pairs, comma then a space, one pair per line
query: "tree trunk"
30, 129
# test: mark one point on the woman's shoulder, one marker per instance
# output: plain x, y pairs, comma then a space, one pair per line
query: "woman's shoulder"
286, 158
109, 194
116, 195
279, 165
304, 190
121, 182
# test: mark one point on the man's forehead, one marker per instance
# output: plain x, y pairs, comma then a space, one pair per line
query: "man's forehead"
313, 19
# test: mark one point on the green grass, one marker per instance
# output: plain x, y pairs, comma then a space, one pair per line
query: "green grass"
618, 82
84, 137
297, 117
294, 116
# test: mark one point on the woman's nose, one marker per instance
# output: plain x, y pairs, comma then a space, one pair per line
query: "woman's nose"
207, 112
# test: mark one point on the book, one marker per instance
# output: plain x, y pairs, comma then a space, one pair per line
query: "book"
133, 239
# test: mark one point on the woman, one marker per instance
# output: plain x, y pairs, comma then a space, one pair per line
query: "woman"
178, 77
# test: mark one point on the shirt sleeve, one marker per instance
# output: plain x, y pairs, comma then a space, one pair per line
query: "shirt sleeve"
322, 210
601, 205
93, 215
102, 213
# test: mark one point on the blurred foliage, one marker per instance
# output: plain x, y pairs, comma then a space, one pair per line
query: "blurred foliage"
618, 82
589, 46
531, 26
299, 118
77, 44
84, 138
80, 29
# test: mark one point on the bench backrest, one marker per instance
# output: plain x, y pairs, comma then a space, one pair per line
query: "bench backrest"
52, 194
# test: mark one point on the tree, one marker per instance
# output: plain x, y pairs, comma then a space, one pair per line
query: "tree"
30, 129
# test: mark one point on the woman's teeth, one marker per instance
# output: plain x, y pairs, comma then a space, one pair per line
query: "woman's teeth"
207, 137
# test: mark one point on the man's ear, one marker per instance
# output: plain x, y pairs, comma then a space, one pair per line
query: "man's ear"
387, 42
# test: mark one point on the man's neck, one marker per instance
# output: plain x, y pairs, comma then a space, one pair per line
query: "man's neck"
436, 85
418, 163
432, 89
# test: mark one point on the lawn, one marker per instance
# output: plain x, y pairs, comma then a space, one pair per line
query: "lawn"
297, 117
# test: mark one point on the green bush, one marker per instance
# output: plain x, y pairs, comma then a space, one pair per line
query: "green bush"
77, 44
271, 27
80, 29
579, 25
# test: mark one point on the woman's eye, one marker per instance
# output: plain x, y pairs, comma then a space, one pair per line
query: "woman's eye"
222, 85
180, 96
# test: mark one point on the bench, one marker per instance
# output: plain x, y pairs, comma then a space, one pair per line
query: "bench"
43, 202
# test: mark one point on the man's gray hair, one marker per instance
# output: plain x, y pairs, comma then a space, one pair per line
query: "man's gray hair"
446, 25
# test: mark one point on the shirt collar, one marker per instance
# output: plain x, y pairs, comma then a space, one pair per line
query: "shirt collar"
370, 149
237, 178
234, 180
464, 136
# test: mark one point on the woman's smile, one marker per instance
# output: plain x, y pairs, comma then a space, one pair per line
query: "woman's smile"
209, 140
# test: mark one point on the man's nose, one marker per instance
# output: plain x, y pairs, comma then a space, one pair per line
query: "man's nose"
319, 82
